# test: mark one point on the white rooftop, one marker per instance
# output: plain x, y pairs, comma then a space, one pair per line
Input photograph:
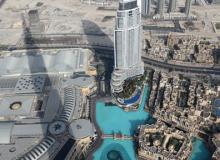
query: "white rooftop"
41, 61
29, 130
5, 132
81, 128
126, 1
81, 81
24, 110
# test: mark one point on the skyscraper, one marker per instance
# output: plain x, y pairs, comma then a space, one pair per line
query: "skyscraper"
127, 44
34, 21
160, 7
172, 6
187, 7
145, 7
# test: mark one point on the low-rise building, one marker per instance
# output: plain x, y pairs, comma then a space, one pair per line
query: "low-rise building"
39, 98
159, 141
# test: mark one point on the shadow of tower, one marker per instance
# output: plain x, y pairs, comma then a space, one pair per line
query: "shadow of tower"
92, 30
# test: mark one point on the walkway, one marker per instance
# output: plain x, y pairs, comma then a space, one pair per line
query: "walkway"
117, 136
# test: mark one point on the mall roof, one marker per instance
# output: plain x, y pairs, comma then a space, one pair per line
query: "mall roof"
81, 128
5, 132
66, 60
24, 110
53, 105
72, 107
24, 130
81, 81
30, 84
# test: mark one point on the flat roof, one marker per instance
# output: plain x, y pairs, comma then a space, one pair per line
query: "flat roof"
81, 128
5, 132
24, 110
44, 61
81, 81
24, 130
30, 84
53, 105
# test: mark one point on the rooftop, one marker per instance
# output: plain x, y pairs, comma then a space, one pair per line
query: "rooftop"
44, 61
80, 81
30, 84
23, 108
81, 128
5, 134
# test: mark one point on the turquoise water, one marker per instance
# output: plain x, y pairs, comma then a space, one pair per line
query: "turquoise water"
200, 151
125, 148
112, 119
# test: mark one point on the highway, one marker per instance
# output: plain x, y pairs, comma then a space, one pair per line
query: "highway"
181, 68
103, 47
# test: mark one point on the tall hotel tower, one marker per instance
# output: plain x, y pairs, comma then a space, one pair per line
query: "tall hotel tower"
127, 44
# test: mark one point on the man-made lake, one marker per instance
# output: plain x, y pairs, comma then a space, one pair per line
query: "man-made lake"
112, 119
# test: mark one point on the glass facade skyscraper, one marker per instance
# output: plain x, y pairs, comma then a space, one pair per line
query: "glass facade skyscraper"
127, 44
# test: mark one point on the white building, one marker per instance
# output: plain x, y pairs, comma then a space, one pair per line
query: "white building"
172, 6
146, 7
127, 44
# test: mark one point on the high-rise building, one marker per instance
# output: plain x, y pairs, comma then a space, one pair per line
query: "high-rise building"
34, 22
145, 7
215, 1
127, 44
160, 7
187, 7
172, 6
139, 3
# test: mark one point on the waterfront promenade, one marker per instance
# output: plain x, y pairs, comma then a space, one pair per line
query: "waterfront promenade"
112, 119
124, 124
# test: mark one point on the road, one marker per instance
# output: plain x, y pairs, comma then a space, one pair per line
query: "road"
181, 68
104, 47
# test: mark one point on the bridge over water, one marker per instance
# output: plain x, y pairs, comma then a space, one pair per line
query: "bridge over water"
117, 136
